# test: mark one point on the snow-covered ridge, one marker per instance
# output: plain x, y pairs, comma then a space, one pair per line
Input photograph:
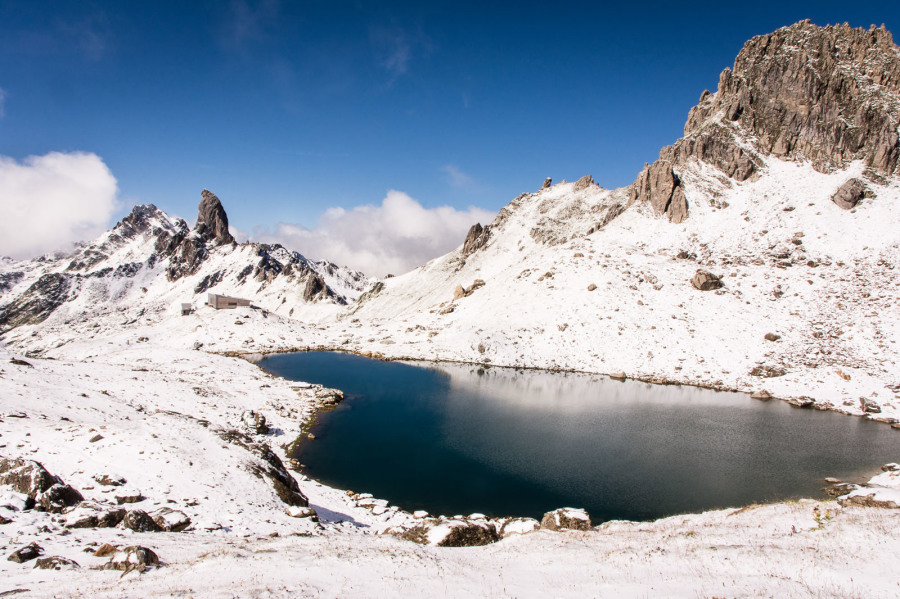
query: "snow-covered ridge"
154, 261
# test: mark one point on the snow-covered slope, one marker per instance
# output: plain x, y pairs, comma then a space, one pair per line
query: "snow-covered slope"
620, 299
102, 378
154, 262
578, 277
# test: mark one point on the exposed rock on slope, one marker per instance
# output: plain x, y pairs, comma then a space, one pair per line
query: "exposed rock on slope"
828, 95
212, 222
583, 278
150, 259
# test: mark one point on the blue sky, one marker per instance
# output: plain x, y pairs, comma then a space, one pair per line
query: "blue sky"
286, 109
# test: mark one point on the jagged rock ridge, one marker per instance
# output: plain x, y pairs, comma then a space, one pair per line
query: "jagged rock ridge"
148, 245
829, 95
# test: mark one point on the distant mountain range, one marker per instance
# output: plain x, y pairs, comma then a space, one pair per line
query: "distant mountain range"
758, 253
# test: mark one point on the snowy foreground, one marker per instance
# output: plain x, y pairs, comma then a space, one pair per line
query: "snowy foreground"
162, 408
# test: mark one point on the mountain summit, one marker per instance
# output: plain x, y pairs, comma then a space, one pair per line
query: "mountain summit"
151, 260
212, 222
757, 253
827, 95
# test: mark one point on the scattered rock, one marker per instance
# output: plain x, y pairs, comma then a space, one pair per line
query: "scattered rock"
139, 521
772, 337
706, 281
768, 371
761, 394
256, 422
870, 500
801, 402
170, 520
135, 557
566, 519
56, 562
26, 553
591, 287
840, 488
124, 496
518, 526
110, 480
57, 498
547, 183
869, 406
618, 376
849, 194
96, 438
26, 476
105, 549
459, 292
451, 532
302, 512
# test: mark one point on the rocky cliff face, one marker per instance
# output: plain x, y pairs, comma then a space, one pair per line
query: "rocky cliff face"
212, 222
829, 95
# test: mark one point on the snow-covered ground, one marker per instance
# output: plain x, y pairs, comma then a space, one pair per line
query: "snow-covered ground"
162, 406
117, 384
619, 300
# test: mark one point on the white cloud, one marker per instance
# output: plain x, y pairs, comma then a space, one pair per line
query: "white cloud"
457, 177
52, 201
394, 237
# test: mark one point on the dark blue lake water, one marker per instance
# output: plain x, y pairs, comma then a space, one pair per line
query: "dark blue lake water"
455, 439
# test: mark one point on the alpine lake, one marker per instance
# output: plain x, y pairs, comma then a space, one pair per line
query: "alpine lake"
456, 438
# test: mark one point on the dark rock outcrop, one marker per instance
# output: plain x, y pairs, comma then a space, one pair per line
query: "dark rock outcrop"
26, 476
38, 302
57, 498
583, 183
212, 222
140, 521
48, 492
135, 557
850, 194
706, 281
26, 553
451, 532
476, 238
56, 562
829, 95
566, 519
315, 287
8, 280
826, 94
267, 465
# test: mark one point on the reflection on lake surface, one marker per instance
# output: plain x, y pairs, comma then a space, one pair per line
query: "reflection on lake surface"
456, 439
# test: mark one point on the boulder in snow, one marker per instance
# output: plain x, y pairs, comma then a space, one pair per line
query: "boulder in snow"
139, 521
706, 281
56, 562
26, 553
566, 519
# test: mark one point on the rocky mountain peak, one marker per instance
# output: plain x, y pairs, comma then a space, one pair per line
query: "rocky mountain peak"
212, 222
140, 219
829, 95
